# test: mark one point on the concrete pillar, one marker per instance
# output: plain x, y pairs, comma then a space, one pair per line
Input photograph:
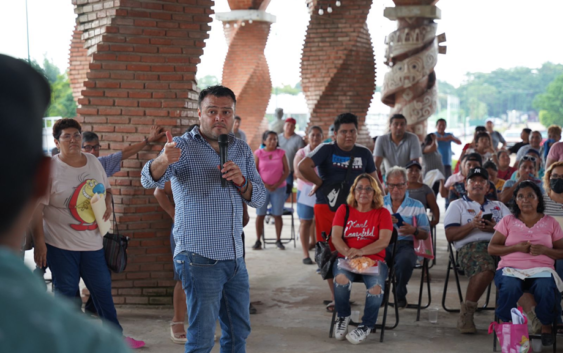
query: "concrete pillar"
142, 58
412, 51
338, 64
246, 70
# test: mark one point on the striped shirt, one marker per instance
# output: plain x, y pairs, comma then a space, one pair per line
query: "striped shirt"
208, 217
111, 163
412, 212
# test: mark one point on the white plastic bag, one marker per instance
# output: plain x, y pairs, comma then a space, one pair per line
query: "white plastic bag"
371, 270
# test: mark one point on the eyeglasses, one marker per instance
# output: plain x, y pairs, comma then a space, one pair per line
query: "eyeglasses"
367, 189
529, 158
397, 186
526, 197
67, 137
88, 148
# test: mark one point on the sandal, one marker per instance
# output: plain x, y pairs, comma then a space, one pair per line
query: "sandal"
330, 307
180, 337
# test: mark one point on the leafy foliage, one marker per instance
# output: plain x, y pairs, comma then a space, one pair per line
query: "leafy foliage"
207, 81
550, 103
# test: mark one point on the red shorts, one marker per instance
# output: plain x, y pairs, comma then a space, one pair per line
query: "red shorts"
323, 222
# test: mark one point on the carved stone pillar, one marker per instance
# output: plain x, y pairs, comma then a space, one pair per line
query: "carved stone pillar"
246, 70
338, 64
409, 88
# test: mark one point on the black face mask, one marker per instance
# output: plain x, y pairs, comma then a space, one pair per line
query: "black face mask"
556, 185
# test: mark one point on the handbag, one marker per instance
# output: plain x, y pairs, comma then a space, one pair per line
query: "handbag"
513, 338
115, 247
422, 247
335, 193
324, 257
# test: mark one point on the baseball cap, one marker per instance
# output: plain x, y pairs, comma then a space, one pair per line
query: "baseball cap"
413, 164
478, 172
474, 157
291, 120
534, 151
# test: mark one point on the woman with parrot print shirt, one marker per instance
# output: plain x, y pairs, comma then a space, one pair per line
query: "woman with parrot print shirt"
66, 235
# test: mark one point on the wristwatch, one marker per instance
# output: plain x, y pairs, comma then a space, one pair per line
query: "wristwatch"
415, 232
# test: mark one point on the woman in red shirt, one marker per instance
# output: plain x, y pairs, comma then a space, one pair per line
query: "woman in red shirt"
367, 233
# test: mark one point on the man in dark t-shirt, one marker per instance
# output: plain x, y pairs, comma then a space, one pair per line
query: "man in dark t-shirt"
525, 136
332, 160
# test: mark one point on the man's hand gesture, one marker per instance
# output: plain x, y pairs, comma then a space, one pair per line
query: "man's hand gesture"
171, 153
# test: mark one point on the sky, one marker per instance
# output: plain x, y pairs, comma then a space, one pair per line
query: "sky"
482, 35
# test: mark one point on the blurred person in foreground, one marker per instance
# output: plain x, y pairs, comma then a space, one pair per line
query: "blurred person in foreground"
33, 320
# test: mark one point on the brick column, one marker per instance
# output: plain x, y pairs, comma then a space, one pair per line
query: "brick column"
78, 64
410, 87
338, 64
246, 70
143, 56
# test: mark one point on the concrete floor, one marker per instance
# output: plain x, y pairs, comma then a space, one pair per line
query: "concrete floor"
292, 318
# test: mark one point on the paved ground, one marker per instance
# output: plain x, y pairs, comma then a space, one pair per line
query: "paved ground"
292, 318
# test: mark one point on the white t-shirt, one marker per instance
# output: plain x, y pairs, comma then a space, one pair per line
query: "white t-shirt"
68, 219
462, 211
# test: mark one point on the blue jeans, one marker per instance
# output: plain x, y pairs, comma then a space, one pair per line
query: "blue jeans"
289, 185
215, 290
405, 260
544, 290
67, 268
373, 302
276, 199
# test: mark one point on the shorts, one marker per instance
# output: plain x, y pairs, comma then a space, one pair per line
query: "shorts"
323, 222
474, 258
304, 212
173, 248
276, 199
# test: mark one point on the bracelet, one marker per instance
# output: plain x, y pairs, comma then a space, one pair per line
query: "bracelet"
241, 185
245, 189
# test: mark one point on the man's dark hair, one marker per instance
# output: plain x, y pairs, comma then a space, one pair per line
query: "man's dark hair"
24, 97
441, 119
238, 118
397, 117
527, 184
217, 91
490, 165
480, 128
62, 124
89, 136
527, 130
481, 135
345, 118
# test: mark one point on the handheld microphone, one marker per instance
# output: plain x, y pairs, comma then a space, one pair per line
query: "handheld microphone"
223, 145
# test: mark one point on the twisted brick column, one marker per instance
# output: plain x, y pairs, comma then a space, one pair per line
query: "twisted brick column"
246, 70
412, 53
338, 64
78, 64
142, 57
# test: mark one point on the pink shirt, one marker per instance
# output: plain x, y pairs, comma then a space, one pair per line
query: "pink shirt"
270, 165
545, 232
556, 152
454, 178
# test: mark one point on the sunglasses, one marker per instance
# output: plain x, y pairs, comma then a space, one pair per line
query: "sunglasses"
529, 158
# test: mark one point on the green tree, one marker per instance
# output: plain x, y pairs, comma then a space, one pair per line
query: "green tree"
288, 89
62, 101
550, 103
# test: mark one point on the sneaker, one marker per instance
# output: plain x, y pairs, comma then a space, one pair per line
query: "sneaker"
358, 335
133, 343
465, 323
546, 339
280, 245
534, 324
341, 327
257, 245
401, 303
308, 261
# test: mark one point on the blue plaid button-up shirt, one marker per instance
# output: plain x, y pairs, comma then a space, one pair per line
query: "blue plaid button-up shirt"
208, 217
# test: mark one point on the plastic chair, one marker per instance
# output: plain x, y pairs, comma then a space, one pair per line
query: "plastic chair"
287, 211
389, 283
424, 274
453, 265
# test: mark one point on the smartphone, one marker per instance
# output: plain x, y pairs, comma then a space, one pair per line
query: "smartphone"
488, 217
400, 221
